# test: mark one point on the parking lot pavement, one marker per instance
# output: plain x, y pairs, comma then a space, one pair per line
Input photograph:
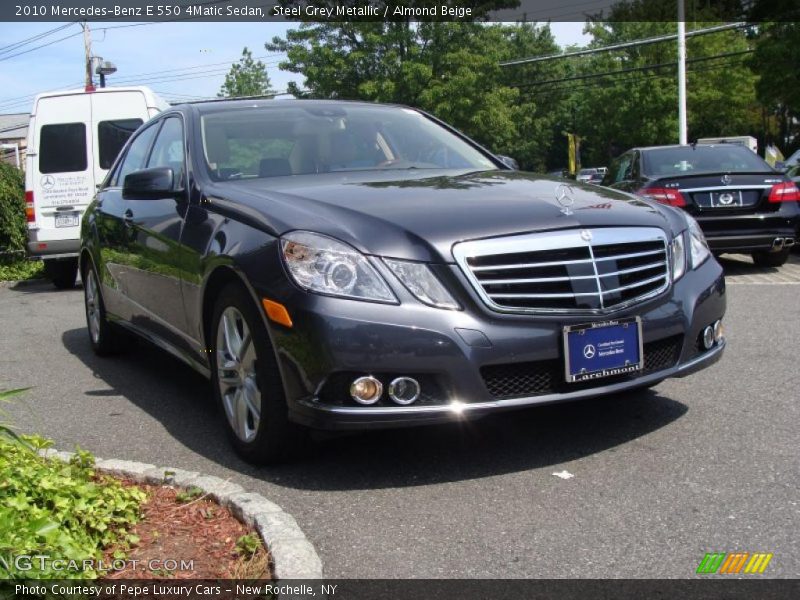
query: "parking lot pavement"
740, 269
706, 463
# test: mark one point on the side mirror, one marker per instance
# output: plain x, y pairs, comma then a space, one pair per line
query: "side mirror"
149, 184
509, 162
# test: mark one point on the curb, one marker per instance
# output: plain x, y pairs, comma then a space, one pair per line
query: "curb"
293, 556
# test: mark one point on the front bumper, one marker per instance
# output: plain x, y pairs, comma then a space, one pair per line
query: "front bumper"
450, 351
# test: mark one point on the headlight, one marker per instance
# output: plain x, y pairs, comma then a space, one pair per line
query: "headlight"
421, 282
698, 246
327, 266
678, 257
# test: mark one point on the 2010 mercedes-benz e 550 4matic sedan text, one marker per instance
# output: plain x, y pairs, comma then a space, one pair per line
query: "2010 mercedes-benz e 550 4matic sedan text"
348, 265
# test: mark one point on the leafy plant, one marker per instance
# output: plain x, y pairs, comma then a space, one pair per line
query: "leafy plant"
13, 232
248, 544
188, 495
61, 510
21, 270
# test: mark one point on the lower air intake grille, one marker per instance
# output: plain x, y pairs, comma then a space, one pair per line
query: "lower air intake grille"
520, 380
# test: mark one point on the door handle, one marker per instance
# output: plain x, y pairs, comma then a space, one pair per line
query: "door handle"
127, 217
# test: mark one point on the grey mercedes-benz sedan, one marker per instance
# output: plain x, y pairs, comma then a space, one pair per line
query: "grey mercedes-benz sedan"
349, 265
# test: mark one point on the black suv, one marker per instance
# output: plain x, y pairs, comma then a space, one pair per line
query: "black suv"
741, 203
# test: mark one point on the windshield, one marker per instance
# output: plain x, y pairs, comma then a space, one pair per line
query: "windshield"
687, 160
298, 140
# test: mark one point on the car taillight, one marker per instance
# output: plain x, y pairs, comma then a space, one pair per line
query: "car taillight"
663, 195
30, 215
784, 192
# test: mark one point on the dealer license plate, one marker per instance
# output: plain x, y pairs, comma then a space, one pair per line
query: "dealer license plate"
731, 199
596, 350
67, 220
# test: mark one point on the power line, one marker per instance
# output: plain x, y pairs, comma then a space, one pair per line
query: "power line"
629, 80
633, 69
34, 38
10, 56
620, 46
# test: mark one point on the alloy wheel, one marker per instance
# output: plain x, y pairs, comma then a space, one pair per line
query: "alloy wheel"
92, 298
236, 374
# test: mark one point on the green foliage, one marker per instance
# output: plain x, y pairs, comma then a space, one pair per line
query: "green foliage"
21, 270
451, 69
248, 77
13, 233
188, 495
248, 544
775, 61
62, 510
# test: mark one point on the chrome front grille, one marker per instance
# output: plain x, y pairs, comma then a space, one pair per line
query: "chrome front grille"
576, 270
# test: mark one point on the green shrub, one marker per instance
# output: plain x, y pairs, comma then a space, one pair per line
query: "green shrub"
13, 233
62, 510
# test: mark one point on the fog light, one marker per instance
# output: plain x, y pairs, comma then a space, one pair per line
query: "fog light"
366, 390
718, 331
708, 337
404, 390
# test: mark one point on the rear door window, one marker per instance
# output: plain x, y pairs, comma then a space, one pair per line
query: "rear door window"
111, 137
62, 148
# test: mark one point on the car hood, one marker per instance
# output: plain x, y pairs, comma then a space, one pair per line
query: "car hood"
420, 214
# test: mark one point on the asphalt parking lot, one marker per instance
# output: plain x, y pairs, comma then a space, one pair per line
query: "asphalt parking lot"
706, 463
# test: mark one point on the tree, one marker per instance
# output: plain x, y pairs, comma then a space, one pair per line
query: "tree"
636, 102
775, 61
248, 77
450, 69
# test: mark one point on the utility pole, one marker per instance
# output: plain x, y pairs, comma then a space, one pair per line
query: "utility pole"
87, 48
682, 133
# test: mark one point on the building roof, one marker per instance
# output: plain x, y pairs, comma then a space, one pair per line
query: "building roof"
14, 126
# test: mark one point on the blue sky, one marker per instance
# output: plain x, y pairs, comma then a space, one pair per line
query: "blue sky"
151, 54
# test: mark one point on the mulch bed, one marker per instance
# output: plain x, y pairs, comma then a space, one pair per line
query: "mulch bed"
188, 528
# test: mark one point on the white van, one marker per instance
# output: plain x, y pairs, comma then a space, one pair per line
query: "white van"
73, 139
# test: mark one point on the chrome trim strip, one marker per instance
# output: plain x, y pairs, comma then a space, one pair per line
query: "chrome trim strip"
555, 240
632, 255
457, 408
635, 285
556, 295
633, 269
727, 188
536, 280
534, 265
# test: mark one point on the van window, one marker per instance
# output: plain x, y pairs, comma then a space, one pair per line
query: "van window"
111, 137
62, 148
168, 149
136, 156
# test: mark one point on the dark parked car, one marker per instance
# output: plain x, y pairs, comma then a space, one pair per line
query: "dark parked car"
346, 265
741, 203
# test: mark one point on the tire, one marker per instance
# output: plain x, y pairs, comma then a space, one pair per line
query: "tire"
105, 337
763, 258
247, 384
62, 272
